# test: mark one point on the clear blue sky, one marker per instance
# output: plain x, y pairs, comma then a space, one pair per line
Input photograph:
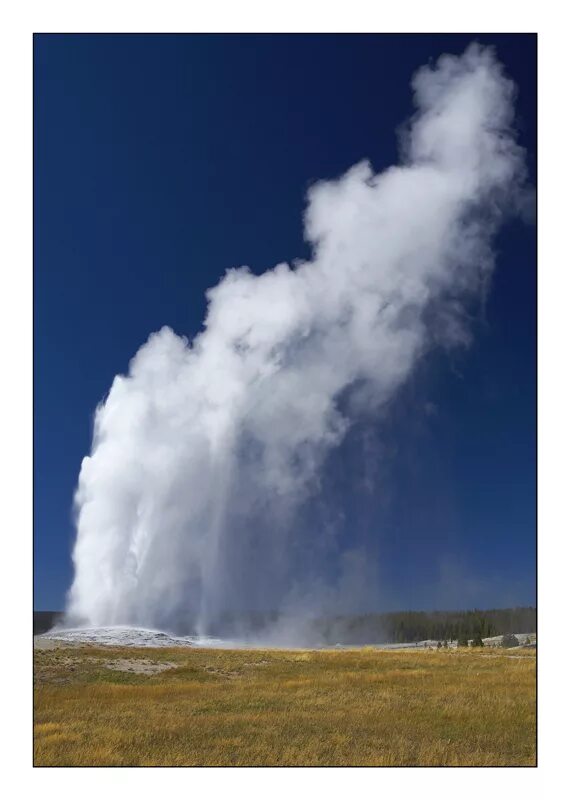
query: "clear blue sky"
160, 161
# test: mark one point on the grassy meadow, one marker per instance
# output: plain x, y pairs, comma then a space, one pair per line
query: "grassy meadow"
111, 706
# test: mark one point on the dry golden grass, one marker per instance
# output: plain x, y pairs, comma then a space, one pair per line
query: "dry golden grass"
347, 707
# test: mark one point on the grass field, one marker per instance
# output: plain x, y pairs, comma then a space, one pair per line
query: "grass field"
222, 707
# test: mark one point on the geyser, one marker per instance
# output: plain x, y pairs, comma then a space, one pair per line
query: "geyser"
204, 452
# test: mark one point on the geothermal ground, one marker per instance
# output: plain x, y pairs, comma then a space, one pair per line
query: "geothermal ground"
121, 636
192, 705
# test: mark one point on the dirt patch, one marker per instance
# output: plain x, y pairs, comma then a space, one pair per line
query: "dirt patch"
504, 655
136, 665
140, 666
521, 657
43, 643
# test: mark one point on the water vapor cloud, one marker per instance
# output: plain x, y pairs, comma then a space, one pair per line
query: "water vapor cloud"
203, 452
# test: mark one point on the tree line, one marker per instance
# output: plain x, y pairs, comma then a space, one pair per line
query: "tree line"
393, 627
416, 626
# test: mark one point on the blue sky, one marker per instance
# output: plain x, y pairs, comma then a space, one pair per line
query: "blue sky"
160, 161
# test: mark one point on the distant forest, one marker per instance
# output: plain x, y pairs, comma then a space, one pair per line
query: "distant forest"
416, 626
400, 626
394, 627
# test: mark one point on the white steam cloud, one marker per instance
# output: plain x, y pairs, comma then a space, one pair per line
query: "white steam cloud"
204, 451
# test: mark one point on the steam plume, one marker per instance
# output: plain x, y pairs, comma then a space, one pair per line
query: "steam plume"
204, 451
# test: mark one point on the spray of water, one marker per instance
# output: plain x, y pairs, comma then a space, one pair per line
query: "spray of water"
204, 452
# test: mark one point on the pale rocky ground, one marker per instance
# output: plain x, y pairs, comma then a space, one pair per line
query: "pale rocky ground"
142, 666
491, 641
136, 638
44, 643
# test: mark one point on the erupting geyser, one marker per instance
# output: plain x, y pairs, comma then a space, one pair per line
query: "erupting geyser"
203, 452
